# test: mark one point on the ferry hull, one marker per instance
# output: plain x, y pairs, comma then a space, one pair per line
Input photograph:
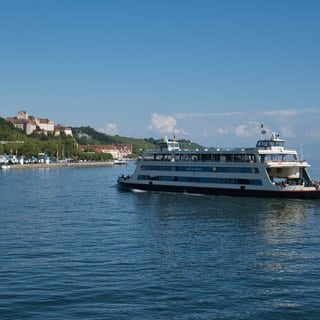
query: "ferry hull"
127, 185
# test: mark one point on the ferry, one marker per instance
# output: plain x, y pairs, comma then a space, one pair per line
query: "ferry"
266, 170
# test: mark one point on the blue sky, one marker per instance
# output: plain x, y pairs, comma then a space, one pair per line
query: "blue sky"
206, 70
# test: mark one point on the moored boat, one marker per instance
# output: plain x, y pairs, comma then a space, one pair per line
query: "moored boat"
120, 161
266, 170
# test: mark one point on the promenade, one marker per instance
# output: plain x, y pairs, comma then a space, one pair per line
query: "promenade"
85, 164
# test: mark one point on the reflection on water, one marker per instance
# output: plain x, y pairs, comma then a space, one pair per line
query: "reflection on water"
285, 221
272, 213
264, 245
269, 220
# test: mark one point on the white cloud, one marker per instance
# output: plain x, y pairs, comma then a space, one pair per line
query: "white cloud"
287, 132
280, 113
165, 124
111, 129
223, 131
241, 128
195, 115
242, 131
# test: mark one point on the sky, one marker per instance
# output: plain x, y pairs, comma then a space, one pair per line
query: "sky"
206, 70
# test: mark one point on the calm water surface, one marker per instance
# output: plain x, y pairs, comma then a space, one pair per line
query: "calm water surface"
74, 247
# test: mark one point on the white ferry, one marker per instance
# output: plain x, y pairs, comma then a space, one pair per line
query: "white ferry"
267, 170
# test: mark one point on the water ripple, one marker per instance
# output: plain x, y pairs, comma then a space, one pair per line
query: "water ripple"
73, 247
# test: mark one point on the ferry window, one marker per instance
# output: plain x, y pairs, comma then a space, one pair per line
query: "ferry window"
166, 157
239, 158
163, 145
229, 158
250, 158
143, 177
216, 157
195, 157
261, 143
289, 157
206, 157
279, 143
279, 170
243, 181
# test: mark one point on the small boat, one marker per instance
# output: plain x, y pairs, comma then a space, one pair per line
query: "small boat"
266, 170
120, 161
5, 167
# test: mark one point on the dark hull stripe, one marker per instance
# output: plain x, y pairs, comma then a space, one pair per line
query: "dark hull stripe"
221, 191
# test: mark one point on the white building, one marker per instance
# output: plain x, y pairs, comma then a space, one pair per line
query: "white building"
30, 124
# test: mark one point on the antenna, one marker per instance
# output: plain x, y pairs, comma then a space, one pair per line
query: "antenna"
263, 129
301, 151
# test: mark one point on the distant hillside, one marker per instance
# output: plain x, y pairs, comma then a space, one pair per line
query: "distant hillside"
17, 142
88, 135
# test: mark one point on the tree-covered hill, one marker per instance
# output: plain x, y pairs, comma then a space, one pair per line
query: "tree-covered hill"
88, 135
9, 133
15, 141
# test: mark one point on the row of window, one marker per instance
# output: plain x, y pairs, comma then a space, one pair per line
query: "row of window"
200, 169
229, 157
256, 182
270, 143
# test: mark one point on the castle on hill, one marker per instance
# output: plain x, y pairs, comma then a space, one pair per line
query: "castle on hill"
31, 124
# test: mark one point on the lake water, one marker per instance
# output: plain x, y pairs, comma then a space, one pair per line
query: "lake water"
74, 247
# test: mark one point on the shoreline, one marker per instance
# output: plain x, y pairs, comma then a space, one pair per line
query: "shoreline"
87, 164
